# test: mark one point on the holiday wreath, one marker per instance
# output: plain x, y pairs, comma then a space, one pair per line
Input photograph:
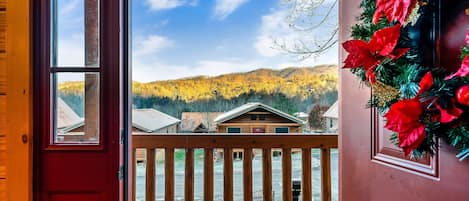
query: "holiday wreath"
421, 104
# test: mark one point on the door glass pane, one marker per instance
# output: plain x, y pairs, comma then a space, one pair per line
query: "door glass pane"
76, 107
75, 33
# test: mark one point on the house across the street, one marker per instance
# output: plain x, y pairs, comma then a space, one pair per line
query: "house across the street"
199, 122
257, 118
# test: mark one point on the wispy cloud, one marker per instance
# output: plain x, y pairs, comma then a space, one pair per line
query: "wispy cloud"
150, 45
273, 27
157, 5
223, 8
158, 70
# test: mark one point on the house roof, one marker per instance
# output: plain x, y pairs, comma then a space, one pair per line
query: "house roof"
191, 121
66, 117
333, 111
151, 120
147, 120
236, 112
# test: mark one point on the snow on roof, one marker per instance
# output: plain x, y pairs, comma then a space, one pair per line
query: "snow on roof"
66, 117
333, 111
236, 112
190, 121
150, 120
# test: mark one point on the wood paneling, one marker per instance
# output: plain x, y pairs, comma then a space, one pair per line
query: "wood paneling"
3, 115
15, 100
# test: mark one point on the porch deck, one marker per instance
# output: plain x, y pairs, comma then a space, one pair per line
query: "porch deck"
247, 142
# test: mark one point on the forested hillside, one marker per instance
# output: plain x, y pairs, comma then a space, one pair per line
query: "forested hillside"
291, 90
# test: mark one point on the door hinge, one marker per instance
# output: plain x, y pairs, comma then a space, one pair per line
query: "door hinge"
120, 173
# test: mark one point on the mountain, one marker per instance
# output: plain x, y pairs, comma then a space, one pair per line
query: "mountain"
292, 82
294, 89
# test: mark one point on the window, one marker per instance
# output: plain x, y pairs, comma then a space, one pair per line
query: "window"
262, 117
75, 72
233, 130
253, 117
281, 130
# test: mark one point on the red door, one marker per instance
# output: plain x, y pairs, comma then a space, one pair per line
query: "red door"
77, 101
371, 168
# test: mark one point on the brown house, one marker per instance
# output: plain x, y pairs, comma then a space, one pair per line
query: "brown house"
199, 122
257, 118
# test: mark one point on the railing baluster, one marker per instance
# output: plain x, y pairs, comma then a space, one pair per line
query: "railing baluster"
267, 173
189, 178
208, 174
134, 173
326, 174
150, 175
169, 174
306, 166
228, 174
286, 174
247, 172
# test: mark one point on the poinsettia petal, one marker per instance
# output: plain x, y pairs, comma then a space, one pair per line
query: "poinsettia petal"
463, 70
385, 40
382, 6
448, 115
401, 10
412, 140
403, 115
359, 55
425, 83
398, 53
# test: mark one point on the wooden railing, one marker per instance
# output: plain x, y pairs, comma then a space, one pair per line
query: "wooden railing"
227, 143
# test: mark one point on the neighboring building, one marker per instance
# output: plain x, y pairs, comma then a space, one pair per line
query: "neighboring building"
153, 121
199, 122
257, 118
144, 121
332, 118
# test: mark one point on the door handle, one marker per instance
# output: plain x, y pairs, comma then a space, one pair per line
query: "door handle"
24, 138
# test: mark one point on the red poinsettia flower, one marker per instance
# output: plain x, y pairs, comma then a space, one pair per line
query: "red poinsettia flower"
394, 10
446, 115
463, 70
404, 118
369, 55
450, 114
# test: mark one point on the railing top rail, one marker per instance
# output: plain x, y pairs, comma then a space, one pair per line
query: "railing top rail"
273, 140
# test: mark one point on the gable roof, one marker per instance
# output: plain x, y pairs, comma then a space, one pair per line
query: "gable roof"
333, 111
236, 112
191, 121
151, 120
147, 120
66, 117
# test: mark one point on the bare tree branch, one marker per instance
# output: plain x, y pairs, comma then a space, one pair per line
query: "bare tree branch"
313, 19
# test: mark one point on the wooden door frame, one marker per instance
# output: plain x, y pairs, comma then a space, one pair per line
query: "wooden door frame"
118, 89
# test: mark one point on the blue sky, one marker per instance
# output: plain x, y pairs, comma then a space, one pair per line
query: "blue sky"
180, 38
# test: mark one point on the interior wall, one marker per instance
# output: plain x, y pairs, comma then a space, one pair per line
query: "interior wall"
15, 100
